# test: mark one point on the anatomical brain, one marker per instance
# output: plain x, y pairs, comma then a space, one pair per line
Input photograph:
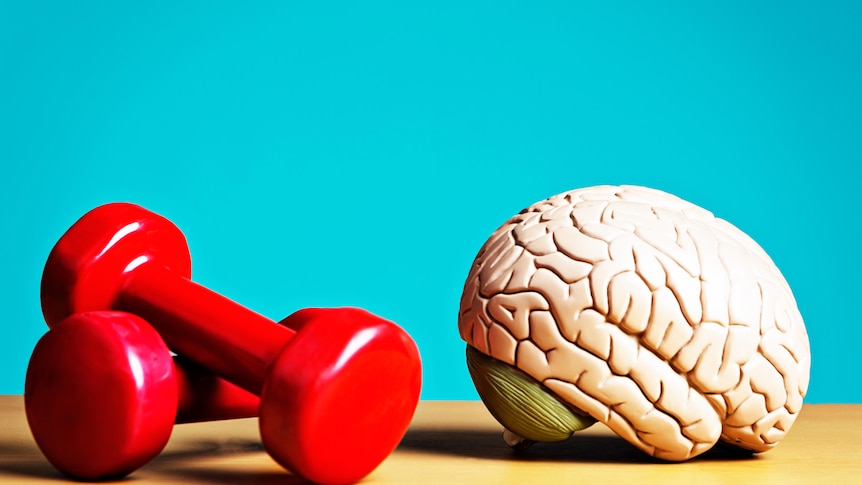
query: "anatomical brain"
632, 307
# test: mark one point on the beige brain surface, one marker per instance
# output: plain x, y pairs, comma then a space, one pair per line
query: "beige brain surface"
647, 313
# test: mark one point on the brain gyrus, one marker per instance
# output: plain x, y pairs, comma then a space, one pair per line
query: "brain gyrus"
646, 313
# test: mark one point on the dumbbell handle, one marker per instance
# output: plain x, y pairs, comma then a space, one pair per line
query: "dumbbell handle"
202, 396
217, 333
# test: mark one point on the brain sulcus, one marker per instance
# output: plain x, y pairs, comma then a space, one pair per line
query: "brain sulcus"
632, 307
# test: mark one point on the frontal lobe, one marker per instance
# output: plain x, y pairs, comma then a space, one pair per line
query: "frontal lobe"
646, 312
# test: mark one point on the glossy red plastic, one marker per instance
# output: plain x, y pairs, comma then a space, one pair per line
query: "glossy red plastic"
82, 271
134, 349
86, 269
100, 394
335, 411
336, 397
203, 396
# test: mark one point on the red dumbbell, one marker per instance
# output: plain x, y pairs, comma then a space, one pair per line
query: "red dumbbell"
103, 391
336, 396
121, 357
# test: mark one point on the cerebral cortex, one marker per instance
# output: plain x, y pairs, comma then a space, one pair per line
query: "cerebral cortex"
667, 324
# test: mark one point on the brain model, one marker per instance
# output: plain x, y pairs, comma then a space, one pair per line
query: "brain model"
632, 307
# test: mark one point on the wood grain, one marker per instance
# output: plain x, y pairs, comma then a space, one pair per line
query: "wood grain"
453, 442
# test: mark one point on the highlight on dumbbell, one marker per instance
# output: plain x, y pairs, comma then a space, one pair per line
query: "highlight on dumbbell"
336, 396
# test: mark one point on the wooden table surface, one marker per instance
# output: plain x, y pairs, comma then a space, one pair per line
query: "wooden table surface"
453, 442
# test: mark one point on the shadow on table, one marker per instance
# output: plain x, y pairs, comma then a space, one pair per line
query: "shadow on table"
585, 448
217, 476
179, 464
171, 466
32, 469
210, 448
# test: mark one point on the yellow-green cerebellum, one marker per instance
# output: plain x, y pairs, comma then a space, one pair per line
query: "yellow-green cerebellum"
520, 403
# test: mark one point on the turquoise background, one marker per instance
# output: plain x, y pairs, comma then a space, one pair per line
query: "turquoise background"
359, 153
